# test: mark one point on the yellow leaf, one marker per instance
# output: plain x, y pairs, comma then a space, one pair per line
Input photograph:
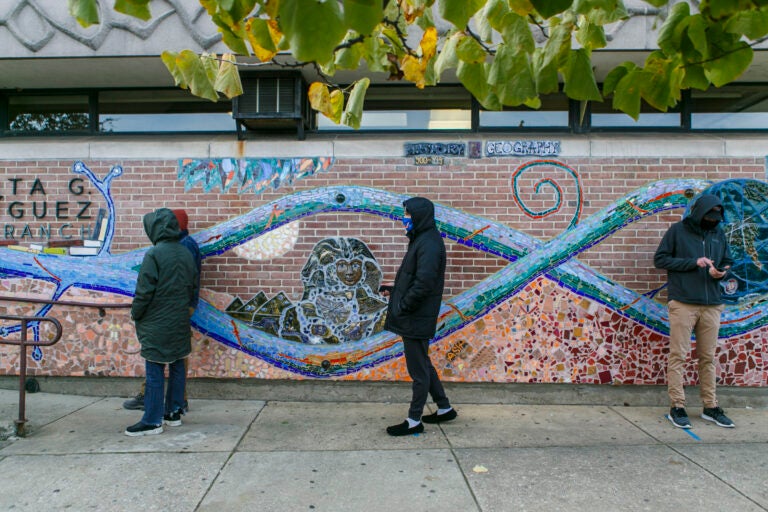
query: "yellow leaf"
413, 70
337, 106
429, 44
264, 36
410, 12
319, 97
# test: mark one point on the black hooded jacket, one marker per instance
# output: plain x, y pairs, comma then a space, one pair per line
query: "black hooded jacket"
414, 302
684, 243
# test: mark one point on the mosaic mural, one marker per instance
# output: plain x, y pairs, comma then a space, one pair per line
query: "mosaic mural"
340, 302
545, 317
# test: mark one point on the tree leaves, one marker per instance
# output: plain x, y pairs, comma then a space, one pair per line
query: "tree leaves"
312, 28
86, 12
136, 8
489, 43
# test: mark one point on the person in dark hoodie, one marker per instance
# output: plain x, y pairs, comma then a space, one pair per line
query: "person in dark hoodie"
695, 254
137, 402
414, 304
165, 291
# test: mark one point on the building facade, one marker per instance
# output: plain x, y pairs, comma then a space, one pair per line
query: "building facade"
550, 221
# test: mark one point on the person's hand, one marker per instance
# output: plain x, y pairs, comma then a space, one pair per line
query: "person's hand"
718, 274
385, 290
704, 262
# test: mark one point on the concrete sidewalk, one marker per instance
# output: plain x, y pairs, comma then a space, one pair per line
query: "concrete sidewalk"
254, 455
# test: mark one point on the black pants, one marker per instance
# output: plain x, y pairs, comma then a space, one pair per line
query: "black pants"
424, 376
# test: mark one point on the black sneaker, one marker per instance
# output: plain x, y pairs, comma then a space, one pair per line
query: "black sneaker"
173, 419
142, 429
185, 407
439, 418
679, 417
403, 429
135, 404
717, 415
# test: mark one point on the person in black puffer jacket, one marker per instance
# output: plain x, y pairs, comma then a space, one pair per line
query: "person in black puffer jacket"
695, 254
414, 304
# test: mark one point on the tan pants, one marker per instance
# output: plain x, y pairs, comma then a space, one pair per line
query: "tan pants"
704, 322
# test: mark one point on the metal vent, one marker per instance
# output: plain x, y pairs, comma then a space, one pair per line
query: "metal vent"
271, 103
268, 95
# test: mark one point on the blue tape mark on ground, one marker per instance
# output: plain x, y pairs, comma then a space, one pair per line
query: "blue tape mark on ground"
692, 434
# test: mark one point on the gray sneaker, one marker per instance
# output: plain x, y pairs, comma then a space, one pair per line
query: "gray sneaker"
135, 404
679, 417
716, 415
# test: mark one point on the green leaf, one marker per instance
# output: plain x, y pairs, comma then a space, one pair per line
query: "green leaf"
591, 36
375, 54
470, 51
730, 66
660, 81
558, 45
258, 30
312, 28
210, 62
579, 78
719, 9
494, 12
228, 77
169, 59
474, 78
231, 11
752, 24
606, 15
511, 75
697, 35
86, 12
353, 112
484, 28
658, 3
195, 75
458, 12
363, 15
548, 8
232, 35
626, 97
349, 58
615, 75
136, 8
447, 57
671, 31
517, 34
546, 74
695, 78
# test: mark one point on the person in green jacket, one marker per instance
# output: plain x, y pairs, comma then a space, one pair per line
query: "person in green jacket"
166, 288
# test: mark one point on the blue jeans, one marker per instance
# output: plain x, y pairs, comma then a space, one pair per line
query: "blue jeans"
153, 395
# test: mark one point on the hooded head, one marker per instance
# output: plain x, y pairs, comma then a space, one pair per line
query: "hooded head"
422, 211
181, 216
161, 225
706, 213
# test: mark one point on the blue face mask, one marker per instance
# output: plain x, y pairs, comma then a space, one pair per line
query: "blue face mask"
408, 223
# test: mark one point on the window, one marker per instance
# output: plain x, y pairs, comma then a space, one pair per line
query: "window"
604, 116
403, 108
731, 107
552, 114
169, 110
41, 113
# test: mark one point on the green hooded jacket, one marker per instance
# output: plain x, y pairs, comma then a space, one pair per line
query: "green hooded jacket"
165, 290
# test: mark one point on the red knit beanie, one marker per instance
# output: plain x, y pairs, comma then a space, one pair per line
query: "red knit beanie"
181, 216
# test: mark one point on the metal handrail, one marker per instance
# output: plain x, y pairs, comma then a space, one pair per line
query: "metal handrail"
23, 341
